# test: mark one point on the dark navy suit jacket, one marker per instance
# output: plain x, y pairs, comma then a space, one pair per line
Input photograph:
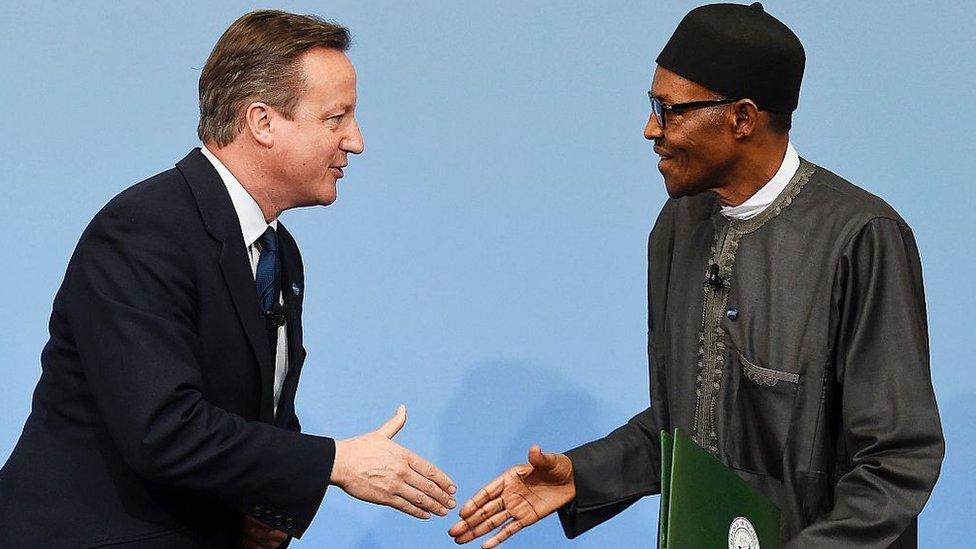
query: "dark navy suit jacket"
152, 424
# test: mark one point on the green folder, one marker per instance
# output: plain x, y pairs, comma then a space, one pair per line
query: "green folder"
704, 504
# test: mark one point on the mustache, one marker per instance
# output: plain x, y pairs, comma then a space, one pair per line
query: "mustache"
661, 148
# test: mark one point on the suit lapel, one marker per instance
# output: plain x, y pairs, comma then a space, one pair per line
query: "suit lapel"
292, 279
222, 223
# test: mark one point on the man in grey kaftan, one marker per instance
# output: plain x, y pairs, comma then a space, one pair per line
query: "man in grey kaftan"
804, 367
786, 319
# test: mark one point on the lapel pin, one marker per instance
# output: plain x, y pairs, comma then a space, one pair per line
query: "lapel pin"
295, 289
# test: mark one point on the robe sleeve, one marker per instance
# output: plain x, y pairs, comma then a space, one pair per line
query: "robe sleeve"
890, 427
613, 472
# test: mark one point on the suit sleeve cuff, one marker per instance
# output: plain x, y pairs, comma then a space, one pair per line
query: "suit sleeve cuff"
292, 508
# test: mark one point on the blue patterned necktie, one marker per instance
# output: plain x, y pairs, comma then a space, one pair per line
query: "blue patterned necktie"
267, 279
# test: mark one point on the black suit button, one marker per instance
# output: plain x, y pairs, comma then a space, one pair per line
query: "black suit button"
289, 523
268, 515
278, 521
256, 511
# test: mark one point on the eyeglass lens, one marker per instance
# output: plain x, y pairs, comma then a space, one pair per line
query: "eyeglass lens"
658, 109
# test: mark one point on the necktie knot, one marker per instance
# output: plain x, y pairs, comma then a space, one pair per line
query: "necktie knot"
267, 279
268, 270
269, 240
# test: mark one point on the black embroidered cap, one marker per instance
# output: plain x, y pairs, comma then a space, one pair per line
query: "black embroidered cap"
738, 51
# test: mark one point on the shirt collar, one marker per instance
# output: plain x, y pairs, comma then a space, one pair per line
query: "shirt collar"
767, 194
248, 212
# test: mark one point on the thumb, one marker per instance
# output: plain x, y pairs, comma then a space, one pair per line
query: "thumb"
395, 423
541, 460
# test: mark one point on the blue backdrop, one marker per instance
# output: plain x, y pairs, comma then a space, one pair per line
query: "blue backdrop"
485, 262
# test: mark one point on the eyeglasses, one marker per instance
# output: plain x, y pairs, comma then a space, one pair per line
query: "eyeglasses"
661, 109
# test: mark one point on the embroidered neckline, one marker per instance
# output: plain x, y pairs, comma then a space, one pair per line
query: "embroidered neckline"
783, 201
718, 282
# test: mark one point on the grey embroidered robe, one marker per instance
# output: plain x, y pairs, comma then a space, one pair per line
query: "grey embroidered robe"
794, 347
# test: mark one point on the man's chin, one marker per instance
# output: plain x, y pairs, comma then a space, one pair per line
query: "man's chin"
326, 200
323, 199
678, 189
328, 193
674, 190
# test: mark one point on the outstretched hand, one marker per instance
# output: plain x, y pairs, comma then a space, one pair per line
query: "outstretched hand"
373, 468
516, 499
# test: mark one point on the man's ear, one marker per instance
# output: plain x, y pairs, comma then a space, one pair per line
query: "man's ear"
745, 118
257, 123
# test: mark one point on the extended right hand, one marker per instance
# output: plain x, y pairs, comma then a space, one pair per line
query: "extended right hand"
371, 467
516, 499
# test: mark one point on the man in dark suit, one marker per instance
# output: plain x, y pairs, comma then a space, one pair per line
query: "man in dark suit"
164, 416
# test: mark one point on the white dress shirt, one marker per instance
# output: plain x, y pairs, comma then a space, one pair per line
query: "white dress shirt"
252, 227
768, 192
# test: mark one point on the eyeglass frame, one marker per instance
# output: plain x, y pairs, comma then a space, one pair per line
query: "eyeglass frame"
660, 108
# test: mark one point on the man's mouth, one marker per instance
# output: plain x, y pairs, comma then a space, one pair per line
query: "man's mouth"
337, 170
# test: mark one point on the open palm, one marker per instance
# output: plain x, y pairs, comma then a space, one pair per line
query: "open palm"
517, 498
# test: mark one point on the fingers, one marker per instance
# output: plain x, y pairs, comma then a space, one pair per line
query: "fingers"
502, 503
401, 504
485, 519
376, 469
427, 469
481, 507
492, 515
485, 512
488, 525
395, 423
491, 491
507, 532
421, 500
432, 491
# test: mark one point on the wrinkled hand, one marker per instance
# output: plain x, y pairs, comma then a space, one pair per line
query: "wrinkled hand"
525, 493
258, 535
373, 468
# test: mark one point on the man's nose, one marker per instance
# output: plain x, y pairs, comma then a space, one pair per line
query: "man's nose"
354, 142
653, 130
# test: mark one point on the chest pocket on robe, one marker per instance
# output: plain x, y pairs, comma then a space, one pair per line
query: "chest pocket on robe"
758, 418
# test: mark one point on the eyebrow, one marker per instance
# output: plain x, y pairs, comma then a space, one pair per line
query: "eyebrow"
662, 97
341, 107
